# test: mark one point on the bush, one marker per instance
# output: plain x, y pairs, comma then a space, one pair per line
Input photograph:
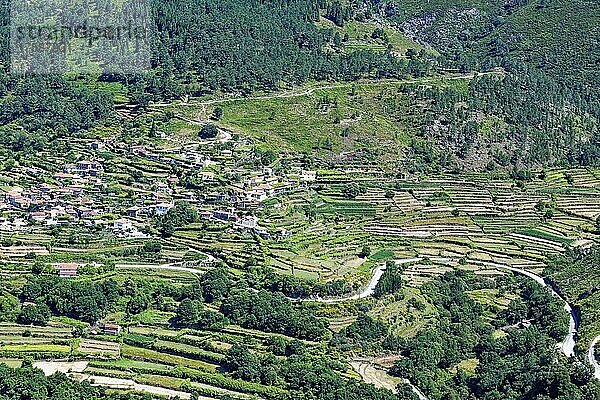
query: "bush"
365, 252
34, 314
152, 246
208, 131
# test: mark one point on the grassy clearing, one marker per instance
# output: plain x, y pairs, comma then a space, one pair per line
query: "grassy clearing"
360, 36
152, 355
315, 120
330, 119
491, 298
11, 362
32, 347
468, 366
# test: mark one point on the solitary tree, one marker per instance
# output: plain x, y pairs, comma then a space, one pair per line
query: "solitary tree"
365, 252
188, 312
208, 131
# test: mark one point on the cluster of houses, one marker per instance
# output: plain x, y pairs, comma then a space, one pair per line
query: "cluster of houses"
248, 188
71, 198
78, 193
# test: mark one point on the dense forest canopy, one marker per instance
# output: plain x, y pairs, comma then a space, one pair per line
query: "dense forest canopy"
549, 48
556, 36
548, 99
204, 45
581, 268
509, 364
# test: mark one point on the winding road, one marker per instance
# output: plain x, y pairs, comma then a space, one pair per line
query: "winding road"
416, 390
592, 357
367, 290
309, 91
567, 346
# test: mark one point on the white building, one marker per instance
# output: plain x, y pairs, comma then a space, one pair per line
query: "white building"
265, 187
309, 175
256, 195
207, 176
38, 216
162, 208
122, 225
248, 221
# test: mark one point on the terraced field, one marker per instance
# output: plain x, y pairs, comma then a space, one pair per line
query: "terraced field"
445, 216
439, 224
170, 363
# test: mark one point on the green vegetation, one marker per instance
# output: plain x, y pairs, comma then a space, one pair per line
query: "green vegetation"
15, 383
391, 280
326, 119
507, 365
219, 224
180, 215
576, 273
272, 313
80, 300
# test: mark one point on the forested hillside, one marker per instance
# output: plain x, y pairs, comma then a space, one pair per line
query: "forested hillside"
577, 274
520, 365
556, 36
199, 47
204, 45
549, 102
543, 110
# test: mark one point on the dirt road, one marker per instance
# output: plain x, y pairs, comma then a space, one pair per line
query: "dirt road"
306, 92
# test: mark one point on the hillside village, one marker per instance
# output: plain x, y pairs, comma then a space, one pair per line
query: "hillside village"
300, 200
83, 192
